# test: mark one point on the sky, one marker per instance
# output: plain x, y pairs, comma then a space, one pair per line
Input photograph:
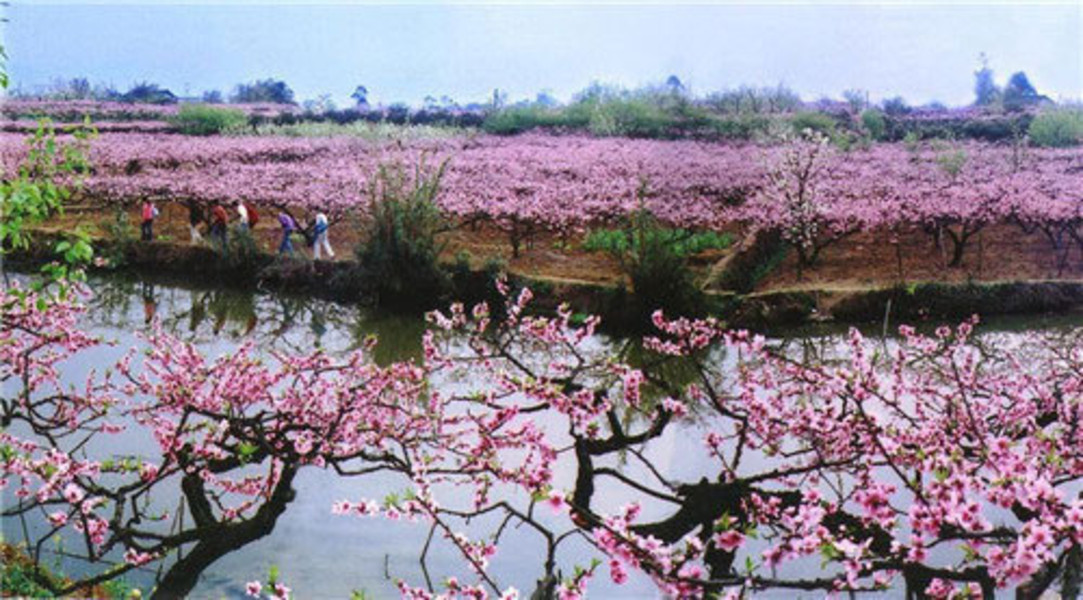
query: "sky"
404, 52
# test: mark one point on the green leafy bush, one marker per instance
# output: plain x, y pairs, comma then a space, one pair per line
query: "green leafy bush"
242, 250
518, 119
21, 578
399, 258
650, 112
38, 188
376, 132
202, 119
814, 121
631, 117
1057, 128
740, 127
655, 260
874, 122
122, 234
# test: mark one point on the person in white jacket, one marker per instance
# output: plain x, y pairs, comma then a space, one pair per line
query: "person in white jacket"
242, 216
320, 231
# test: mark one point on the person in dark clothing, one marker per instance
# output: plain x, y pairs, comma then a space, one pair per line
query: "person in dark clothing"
195, 217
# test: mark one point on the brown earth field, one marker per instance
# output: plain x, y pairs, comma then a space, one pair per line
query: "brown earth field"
1001, 252
861, 261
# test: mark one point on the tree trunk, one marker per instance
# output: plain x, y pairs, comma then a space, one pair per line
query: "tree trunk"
958, 245
546, 589
183, 576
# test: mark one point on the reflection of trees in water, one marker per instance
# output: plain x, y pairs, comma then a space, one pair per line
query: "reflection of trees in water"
399, 337
662, 374
111, 305
283, 322
820, 349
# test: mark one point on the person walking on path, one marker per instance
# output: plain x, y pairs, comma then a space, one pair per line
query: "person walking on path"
320, 233
242, 216
195, 217
288, 227
149, 213
219, 218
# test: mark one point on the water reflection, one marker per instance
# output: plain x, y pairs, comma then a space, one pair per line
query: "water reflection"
275, 321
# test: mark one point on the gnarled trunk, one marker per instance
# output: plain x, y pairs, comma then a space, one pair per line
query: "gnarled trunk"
183, 576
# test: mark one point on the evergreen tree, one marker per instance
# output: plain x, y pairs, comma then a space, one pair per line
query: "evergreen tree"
986, 91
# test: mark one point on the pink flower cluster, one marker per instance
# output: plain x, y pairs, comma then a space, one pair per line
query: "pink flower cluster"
554, 182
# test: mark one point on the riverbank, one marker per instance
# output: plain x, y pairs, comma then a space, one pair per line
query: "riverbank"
341, 280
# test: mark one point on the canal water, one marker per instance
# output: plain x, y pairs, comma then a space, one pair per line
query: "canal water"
321, 555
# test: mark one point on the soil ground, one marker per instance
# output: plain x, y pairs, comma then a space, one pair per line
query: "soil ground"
861, 261
869, 259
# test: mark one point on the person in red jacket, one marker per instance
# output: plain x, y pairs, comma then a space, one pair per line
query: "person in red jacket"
219, 219
149, 213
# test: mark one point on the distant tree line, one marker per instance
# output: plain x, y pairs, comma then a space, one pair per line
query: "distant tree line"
268, 90
1017, 94
666, 110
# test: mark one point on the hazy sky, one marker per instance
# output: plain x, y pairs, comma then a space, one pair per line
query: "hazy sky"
407, 51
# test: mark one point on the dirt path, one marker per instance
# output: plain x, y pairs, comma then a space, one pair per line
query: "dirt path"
545, 258
861, 261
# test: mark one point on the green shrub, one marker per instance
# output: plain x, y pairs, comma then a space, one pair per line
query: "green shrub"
517, 119
18, 578
1004, 128
376, 132
609, 111
748, 266
631, 117
655, 260
400, 256
951, 161
874, 122
648, 112
122, 233
242, 249
740, 127
578, 114
1057, 128
19, 581
912, 141
202, 119
814, 121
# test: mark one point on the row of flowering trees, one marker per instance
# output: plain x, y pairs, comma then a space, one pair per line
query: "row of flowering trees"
816, 196
555, 181
812, 192
940, 464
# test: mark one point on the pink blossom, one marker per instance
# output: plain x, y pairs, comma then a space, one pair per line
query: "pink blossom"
73, 493
729, 540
